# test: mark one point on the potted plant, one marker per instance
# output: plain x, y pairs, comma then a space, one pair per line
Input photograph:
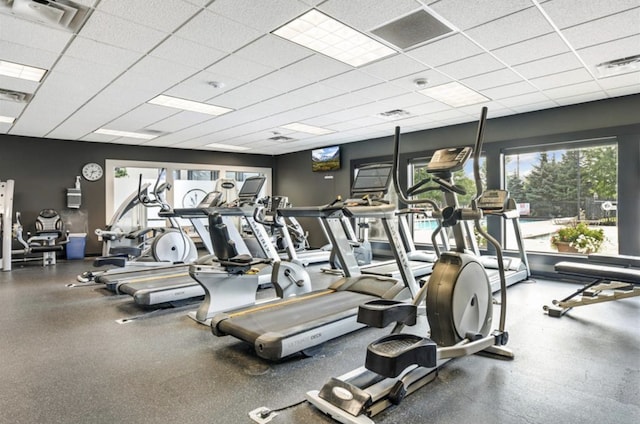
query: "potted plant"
578, 238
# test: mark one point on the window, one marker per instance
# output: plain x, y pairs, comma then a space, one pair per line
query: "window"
190, 183
561, 188
423, 226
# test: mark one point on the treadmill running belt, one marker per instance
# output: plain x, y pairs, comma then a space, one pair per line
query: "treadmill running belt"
295, 318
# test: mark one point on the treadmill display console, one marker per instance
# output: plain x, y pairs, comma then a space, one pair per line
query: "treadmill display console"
449, 159
493, 200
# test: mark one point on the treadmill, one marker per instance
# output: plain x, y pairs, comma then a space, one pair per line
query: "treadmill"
299, 324
178, 285
420, 261
516, 268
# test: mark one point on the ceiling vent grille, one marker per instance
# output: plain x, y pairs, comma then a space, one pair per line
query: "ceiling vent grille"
394, 114
619, 66
281, 138
14, 96
62, 14
412, 30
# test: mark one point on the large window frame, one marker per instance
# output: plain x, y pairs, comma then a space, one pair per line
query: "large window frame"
222, 170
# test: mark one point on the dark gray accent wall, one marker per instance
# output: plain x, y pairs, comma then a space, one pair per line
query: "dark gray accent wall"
611, 117
44, 168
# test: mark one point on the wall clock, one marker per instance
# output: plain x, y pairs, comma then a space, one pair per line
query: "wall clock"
92, 171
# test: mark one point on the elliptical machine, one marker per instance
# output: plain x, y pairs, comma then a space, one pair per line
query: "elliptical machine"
459, 307
148, 247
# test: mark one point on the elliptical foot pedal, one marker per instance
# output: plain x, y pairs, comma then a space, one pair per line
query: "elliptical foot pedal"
392, 354
382, 312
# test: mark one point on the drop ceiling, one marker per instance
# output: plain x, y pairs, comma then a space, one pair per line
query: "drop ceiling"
522, 55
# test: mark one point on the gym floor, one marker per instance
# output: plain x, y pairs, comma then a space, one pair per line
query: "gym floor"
65, 359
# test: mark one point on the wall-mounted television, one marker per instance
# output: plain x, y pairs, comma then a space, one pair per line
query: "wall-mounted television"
325, 159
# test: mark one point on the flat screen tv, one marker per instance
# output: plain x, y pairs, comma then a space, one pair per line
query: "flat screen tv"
325, 159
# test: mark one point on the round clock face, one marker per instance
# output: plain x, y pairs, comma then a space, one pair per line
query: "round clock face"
92, 172
193, 198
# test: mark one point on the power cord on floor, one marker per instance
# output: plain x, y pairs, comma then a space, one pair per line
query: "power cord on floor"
263, 414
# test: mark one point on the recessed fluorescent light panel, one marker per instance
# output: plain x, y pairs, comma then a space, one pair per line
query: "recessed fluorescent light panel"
454, 94
189, 105
6, 119
310, 129
24, 72
325, 35
227, 147
125, 134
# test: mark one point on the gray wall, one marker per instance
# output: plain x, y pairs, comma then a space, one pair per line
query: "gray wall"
44, 168
612, 117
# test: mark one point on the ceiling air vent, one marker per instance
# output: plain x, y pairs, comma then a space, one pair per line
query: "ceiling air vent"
394, 114
63, 14
618, 66
413, 29
14, 96
281, 138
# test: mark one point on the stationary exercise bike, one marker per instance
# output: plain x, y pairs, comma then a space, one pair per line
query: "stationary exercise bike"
459, 305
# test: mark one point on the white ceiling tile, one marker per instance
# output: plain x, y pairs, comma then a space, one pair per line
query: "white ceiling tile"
365, 15
157, 74
119, 32
97, 52
433, 77
448, 114
566, 13
273, 51
492, 79
11, 109
352, 81
27, 55
31, 34
4, 128
622, 80
165, 15
317, 92
317, 68
381, 91
199, 3
474, 110
581, 98
282, 81
188, 53
393, 67
563, 78
141, 117
599, 31
466, 14
101, 138
429, 106
370, 109
197, 87
264, 16
623, 91
574, 90
605, 52
403, 101
475, 65
445, 50
523, 100
18, 84
549, 65
244, 96
508, 90
238, 68
532, 49
535, 106
217, 31
179, 121
511, 29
